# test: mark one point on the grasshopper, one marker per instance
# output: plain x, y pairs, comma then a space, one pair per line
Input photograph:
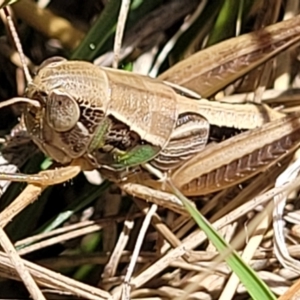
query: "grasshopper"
86, 117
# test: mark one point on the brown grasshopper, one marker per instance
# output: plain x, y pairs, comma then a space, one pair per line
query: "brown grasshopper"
87, 117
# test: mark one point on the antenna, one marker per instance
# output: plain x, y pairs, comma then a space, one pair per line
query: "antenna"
18, 45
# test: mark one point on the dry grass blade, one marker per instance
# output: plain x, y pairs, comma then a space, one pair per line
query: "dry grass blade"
112, 265
292, 293
47, 278
126, 285
120, 31
280, 247
23, 272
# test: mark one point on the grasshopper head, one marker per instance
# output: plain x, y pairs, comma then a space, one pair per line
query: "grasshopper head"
64, 123
64, 104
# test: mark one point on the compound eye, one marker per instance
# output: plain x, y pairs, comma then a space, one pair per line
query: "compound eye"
62, 111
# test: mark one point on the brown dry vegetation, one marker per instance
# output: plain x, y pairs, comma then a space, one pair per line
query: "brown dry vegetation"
78, 239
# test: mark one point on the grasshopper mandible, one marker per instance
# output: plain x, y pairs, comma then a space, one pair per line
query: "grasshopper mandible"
91, 117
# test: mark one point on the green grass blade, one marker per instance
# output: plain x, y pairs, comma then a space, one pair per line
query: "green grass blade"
102, 29
100, 35
257, 289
